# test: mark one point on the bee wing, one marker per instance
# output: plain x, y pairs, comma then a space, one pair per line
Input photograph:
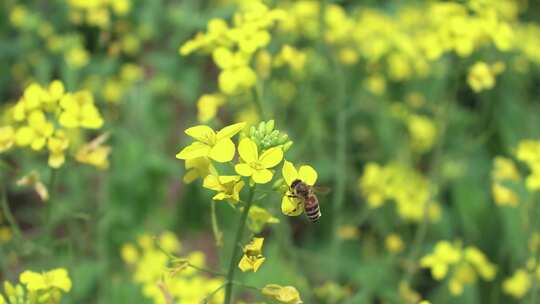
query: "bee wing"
322, 190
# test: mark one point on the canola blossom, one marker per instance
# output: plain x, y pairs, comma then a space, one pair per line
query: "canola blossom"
43, 117
215, 145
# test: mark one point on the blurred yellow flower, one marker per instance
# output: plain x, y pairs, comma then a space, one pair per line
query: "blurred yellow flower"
77, 57
518, 284
528, 151
252, 258
444, 254
348, 232
129, 254
218, 146
255, 166
464, 266
410, 190
292, 206
208, 105
56, 278
7, 138
423, 132
258, 217
95, 153
198, 167
79, 110
289, 55
482, 76
394, 243
282, 294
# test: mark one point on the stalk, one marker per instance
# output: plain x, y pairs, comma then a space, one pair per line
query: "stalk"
237, 240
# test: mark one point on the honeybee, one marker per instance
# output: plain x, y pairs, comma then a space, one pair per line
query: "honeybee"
306, 193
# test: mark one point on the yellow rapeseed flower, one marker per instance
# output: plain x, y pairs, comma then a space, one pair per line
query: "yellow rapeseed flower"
218, 146
255, 166
227, 186
252, 258
282, 294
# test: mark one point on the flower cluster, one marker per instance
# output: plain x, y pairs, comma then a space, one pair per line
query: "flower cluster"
464, 265
404, 44
233, 46
163, 277
45, 287
46, 118
409, 189
97, 12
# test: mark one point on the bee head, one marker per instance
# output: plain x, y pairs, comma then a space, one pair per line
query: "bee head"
295, 183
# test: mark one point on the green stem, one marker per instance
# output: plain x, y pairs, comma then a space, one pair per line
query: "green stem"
218, 235
9, 215
48, 212
237, 240
258, 99
340, 173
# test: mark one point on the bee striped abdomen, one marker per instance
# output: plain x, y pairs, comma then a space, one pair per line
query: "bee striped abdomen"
312, 209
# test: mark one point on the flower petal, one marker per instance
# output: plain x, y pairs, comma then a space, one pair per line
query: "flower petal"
262, 176
271, 157
230, 131
291, 206
243, 169
196, 149
223, 151
202, 133
212, 182
289, 172
245, 264
308, 175
248, 150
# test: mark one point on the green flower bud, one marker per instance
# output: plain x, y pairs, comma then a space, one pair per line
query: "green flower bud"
287, 146
252, 131
270, 126
283, 138
262, 128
